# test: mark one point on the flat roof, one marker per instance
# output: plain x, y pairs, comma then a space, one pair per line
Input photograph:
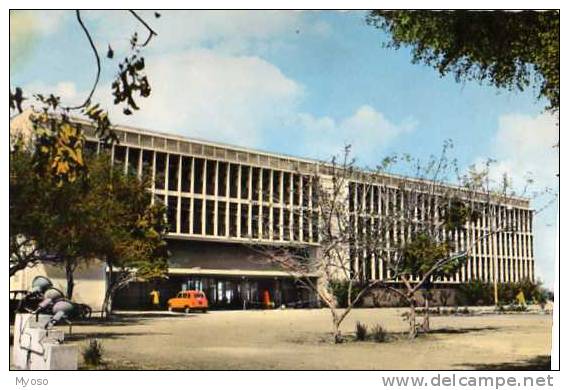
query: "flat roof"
288, 157
269, 155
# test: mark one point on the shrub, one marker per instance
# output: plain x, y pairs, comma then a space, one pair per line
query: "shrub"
361, 331
93, 353
340, 291
475, 293
444, 296
541, 298
481, 293
379, 335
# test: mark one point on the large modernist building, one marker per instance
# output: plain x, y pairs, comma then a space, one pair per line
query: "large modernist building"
221, 199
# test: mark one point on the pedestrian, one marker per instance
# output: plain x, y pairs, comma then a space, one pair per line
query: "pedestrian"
155, 299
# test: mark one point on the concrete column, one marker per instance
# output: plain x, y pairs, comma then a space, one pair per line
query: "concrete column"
113, 154
204, 202
468, 275
310, 208
192, 174
153, 175
166, 178
513, 260
139, 167
356, 230
484, 247
260, 200
291, 207
282, 205
271, 203
516, 254
250, 198
373, 265
126, 160
227, 194
301, 209
215, 202
461, 274
179, 193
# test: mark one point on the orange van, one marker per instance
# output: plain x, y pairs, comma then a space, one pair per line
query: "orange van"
188, 300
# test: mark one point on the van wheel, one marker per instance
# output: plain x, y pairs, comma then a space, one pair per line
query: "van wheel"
204, 310
187, 310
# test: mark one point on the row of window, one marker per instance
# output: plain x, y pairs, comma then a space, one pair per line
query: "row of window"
478, 268
195, 216
250, 202
285, 214
508, 244
373, 200
210, 177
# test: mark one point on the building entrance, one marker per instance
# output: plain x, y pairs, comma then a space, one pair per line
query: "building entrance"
231, 293
248, 293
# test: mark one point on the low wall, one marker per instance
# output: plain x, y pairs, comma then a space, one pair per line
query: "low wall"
90, 281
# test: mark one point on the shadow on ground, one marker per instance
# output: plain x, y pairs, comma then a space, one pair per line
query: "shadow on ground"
461, 330
80, 336
436, 331
390, 337
130, 318
537, 363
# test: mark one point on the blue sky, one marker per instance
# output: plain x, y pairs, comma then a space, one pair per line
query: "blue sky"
300, 83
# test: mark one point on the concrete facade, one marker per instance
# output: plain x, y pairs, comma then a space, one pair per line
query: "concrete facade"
222, 198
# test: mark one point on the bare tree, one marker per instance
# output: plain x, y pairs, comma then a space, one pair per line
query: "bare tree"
330, 269
435, 218
378, 230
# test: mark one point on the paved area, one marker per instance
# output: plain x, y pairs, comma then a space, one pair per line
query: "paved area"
301, 339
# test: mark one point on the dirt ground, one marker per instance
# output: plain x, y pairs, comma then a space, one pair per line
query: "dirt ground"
301, 339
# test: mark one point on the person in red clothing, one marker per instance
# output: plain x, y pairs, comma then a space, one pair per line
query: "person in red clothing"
266, 299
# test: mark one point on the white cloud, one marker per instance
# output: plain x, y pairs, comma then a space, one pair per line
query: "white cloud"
524, 144
27, 27
244, 101
367, 130
234, 31
66, 90
41, 21
215, 96
523, 148
207, 83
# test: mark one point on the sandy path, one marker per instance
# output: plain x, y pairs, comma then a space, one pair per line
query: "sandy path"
299, 339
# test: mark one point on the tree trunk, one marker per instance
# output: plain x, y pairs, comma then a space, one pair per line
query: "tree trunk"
108, 301
108, 304
109, 297
412, 320
426, 327
336, 321
112, 288
69, 270
337, 333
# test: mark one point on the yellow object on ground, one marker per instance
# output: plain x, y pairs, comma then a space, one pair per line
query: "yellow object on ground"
521, 298
155, 297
